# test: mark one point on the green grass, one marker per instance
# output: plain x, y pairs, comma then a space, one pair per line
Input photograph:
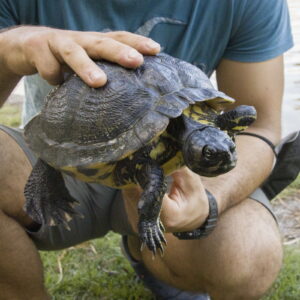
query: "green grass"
287, 285
98, 270
10, 115
294, 186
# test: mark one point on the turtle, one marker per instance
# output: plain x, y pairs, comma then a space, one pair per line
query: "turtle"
144, 124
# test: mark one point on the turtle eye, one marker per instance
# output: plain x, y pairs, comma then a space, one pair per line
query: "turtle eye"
208, 151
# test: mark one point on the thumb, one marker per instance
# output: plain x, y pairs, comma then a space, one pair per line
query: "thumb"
185, 183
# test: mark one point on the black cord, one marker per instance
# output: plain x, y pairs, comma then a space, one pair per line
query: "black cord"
262, 138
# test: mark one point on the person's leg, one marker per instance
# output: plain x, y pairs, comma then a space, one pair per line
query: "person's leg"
239, 260
21, 275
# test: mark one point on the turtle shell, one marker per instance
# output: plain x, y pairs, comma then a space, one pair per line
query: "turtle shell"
80, 125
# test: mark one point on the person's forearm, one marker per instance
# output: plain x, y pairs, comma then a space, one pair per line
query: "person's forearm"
255, 160
8, 80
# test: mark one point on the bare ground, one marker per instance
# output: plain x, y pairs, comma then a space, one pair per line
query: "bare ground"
287, 210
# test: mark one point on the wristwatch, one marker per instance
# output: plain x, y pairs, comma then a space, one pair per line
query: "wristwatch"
207, 227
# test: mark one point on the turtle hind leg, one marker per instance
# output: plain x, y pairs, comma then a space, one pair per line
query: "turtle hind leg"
151, 178
47, 200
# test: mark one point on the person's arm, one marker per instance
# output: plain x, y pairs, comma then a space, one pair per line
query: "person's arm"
260, 85
257, 84
26, 50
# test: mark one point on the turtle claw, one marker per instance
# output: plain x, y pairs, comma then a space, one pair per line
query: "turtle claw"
161, 248
66, 225
151, 235
67, 217
162, 227
143, 246
51, 214
52, 222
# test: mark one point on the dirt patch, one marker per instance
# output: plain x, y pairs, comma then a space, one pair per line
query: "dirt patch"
287, 210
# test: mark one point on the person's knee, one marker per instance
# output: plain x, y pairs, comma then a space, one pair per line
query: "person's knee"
251, 272
14, 171
249, 257
239, 260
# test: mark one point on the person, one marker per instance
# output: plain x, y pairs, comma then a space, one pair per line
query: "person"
244, 42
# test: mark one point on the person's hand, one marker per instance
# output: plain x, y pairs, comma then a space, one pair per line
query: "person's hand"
30, 49
184, 208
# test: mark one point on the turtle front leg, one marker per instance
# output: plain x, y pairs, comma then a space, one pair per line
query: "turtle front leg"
151, 178
237, 119
47, 199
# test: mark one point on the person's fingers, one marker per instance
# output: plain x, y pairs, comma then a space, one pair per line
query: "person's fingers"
185, 181
122, 47
76, 57
48, 67
114, 51
100, 46
184, 208
142, 44
26, 53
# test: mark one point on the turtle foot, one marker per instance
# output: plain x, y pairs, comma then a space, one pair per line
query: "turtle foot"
47, 199
44, 210
151, 235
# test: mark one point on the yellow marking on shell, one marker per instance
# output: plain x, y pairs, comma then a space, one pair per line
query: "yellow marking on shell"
217, 102
205, 122
197, 109
102, 169
201, 113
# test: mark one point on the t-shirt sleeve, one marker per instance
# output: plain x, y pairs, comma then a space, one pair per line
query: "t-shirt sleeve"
8, 15
263, 31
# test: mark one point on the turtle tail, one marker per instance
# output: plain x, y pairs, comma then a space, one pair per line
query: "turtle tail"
237, 119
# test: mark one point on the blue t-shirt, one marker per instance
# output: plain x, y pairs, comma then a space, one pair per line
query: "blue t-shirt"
199, 31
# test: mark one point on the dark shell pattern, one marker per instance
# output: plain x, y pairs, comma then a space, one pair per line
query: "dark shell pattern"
80, 125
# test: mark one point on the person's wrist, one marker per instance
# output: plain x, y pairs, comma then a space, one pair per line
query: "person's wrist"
8, 78
7, 75
6, 72
209, 224
2, 48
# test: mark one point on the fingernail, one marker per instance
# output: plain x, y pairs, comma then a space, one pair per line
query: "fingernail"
95, 76
152, 45
133, 54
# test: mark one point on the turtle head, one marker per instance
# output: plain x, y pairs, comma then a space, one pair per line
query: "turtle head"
209, 152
